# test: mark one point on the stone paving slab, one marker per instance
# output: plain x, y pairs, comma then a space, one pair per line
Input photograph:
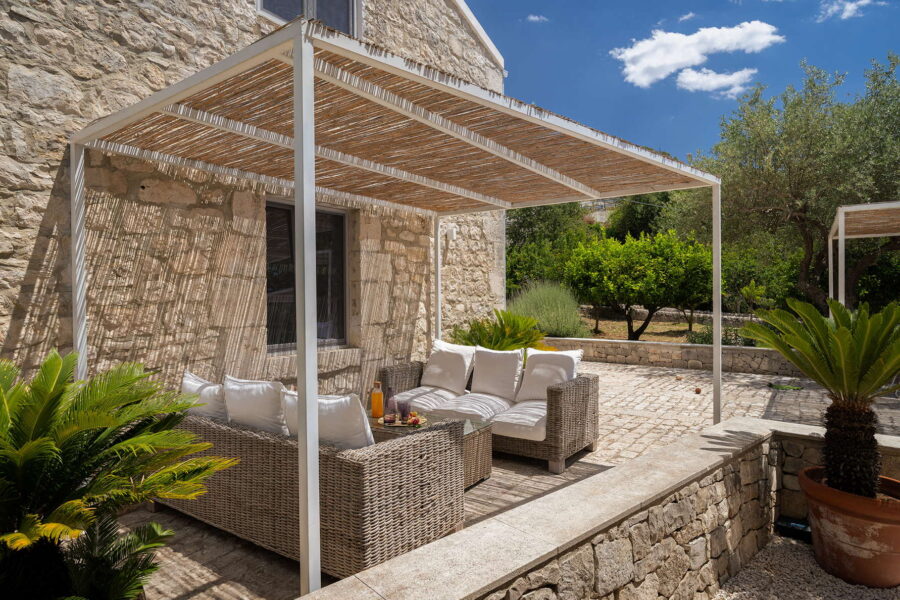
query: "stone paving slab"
641, 408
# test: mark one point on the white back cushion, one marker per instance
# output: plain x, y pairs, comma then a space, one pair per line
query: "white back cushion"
543, 369
448, 367
497, 372
342, 420
255, 404
211, 401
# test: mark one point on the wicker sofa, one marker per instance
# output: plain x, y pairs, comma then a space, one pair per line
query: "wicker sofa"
571, 424
376, 502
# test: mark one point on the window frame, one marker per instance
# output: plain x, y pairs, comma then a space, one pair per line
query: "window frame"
283, 203
309, 9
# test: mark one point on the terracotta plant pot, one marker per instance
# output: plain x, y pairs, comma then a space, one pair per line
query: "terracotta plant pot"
854, 537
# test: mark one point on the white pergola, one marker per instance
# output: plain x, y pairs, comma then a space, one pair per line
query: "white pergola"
313, 111
878, 219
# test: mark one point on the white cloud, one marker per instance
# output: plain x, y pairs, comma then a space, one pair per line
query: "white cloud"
727, 85
652, 59
686, 17
536, 19
844, 9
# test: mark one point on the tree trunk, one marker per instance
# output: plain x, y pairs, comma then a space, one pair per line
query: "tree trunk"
688, 317
596, 318
635, 334
851, 457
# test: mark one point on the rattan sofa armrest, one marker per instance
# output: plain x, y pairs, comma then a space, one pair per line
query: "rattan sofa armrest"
401, 377
573, 403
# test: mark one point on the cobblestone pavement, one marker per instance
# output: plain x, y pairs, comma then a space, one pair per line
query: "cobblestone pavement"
640, 408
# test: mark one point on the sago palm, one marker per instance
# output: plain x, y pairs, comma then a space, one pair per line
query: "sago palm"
71, 451
855, 356
506, 331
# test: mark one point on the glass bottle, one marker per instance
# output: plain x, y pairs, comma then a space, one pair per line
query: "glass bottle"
376, 401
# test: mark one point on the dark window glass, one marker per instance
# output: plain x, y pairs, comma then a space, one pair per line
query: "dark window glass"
330, 288
286, 9
334, 13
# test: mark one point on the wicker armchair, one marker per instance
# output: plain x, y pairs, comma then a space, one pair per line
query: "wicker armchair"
365, 494
572, 415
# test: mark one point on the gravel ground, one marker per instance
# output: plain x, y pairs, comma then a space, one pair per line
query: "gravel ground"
787, 570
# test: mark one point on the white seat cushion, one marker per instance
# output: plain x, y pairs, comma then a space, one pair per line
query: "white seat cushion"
448, 367
543, 369
526, 420
425, 398
497, 372
342, 420
478, 407
211, 396
255, 404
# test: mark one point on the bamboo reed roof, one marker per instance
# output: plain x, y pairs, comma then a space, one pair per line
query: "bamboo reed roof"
385, 129
878, 219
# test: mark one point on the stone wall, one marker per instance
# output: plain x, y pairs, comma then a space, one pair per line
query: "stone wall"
674, 523
175, 258
739, 359
793, 453
673, 315
682, 547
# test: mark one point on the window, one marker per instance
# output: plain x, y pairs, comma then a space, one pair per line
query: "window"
330, 276
339, 14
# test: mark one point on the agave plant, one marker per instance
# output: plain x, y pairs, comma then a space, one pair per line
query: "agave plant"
853, 355
74, 451
506, 331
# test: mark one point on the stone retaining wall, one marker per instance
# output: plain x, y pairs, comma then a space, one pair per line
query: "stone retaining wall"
740, 359
674, 523
701, 317
683, 547
792, 454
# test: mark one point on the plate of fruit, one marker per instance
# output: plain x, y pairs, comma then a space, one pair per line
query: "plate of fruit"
414, 420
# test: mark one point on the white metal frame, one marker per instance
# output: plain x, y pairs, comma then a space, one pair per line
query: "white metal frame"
299, 39
838, 231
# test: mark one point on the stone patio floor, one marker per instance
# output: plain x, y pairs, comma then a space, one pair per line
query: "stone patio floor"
640, 408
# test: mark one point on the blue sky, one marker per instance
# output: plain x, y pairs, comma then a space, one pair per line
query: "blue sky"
668, 90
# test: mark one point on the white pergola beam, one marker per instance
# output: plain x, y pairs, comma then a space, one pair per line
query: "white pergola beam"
265, 49
605, 195
79, 265
717, 300
356, 50
374, 93
276, 139
286, 184
304, 239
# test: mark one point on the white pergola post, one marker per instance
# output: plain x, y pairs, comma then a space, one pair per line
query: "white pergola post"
79, 273
437, 278
842, 257
717, 300
305, 297
830, 266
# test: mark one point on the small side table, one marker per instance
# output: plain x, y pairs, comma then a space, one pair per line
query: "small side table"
476, 443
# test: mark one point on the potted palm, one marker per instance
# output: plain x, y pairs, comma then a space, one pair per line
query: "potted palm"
854, 511
74, 453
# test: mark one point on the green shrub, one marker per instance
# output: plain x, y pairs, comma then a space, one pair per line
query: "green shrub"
72, 454
506, 331
554, 307
730, 336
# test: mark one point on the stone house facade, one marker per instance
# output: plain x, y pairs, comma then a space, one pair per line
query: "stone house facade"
177, 259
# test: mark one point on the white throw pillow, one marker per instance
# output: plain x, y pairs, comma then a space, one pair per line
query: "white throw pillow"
255, 404
342, 420
497, 372
543, 369
448, 367
211, 401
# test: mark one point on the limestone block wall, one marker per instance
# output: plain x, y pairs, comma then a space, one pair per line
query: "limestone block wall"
682, 547
793, 453
176, 258
739, 359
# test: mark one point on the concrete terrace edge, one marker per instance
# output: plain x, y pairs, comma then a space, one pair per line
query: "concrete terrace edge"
495, 551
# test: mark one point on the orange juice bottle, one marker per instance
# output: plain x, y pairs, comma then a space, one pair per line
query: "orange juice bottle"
376, 401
